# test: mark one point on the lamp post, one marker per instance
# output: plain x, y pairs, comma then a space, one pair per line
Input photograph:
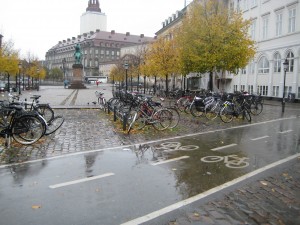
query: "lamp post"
126, 66
38, 81
285, 67
64, 67
20, 67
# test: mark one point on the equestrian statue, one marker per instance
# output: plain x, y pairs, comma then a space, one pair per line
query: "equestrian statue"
77, 54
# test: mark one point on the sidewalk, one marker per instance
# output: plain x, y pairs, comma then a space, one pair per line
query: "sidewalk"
271, 198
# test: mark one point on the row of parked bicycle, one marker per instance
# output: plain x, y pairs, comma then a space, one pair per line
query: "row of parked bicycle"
138, 110
27, 121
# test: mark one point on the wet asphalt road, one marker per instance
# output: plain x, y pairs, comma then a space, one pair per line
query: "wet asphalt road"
132, 180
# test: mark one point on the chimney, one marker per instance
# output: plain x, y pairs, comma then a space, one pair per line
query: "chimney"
73, 38
142, 35
98, 30
91, 32
127, 33
112, 32
78, 36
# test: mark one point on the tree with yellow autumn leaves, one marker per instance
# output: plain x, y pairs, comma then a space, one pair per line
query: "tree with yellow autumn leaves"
213, 39
10, 62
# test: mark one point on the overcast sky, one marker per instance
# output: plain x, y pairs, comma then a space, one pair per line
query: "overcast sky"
36, 25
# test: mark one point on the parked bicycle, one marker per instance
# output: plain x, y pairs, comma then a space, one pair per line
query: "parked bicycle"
101, 100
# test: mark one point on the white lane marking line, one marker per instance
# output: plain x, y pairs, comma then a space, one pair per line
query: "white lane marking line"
148, 142
195, 198
222, 147
285, 131
170, 160
259, 138
80, 180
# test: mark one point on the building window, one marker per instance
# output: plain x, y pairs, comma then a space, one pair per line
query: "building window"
243, 88
265, 27
263, 65
96, 51
252, 67
102, 52
235, 88
290, 58
279, 24
253, 3
262, 90
250, 89
292, 20
253, 28
277, 63
107, 52
275, 91
298, 92
287, 90
243, 70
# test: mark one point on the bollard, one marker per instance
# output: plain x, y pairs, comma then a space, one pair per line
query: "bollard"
25, 103
115, 114
125, 118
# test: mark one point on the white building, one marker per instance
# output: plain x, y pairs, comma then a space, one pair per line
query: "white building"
276, 29
93, 18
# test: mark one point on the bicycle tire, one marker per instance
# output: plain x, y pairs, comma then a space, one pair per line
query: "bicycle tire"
175, 117
54, 124
196, 112
102, 103
247, 115
27, 129
212, 159
162, 119
212, 112
256, 108
226, 114
45, 111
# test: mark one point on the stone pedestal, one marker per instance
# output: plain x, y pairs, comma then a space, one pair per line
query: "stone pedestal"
77, 82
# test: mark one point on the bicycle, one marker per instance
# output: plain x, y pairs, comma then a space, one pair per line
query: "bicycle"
146, 115
25, 127
53, 123
43, 109
101, 100
231, 108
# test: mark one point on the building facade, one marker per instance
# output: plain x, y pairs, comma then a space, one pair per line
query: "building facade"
276, 29
100, 49
275, 26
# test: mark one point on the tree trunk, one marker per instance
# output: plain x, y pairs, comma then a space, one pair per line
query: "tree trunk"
210, 83
167, 86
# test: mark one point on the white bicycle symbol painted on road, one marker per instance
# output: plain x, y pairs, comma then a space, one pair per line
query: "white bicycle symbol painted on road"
231, 161
176, 146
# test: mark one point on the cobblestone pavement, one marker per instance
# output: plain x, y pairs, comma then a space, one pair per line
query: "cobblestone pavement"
274, 199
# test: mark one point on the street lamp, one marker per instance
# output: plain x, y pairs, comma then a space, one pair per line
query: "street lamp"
20, 67
38, 81
64, 67
285, 67
126, 66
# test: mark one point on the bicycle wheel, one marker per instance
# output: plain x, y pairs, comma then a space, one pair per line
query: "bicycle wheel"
102, 103
226, 114
175, 117
196, 111
211, 112
45, 111
181, 103
256, 108
27, 129
212, 159
247, 115
162, 119
54, 125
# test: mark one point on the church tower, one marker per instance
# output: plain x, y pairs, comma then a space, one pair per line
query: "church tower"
93, 19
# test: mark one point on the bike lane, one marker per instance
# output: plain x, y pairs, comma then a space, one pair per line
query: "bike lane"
119, 185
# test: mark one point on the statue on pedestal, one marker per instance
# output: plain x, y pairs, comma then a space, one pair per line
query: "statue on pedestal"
77, 54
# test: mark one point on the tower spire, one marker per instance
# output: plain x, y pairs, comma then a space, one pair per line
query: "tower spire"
93, 6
